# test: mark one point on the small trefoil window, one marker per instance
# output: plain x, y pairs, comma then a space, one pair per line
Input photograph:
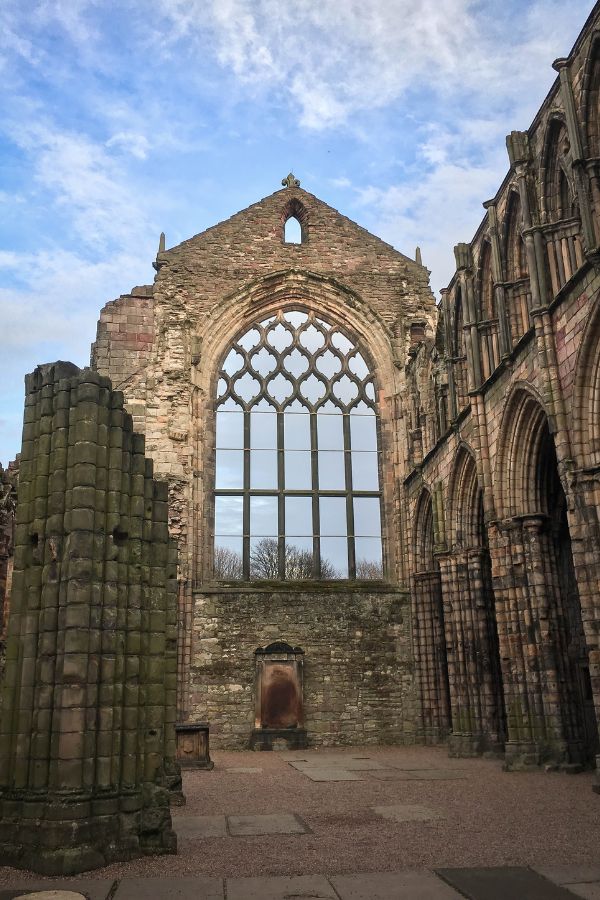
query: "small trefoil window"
297, 488
292, 231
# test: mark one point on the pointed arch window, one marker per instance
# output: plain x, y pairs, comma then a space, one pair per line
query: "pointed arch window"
297, 483
292, 231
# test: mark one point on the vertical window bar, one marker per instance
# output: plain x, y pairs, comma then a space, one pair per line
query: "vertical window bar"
281, 498
246, 502
314, 465
349, 499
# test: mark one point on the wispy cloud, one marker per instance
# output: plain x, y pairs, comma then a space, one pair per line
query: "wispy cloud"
118, 124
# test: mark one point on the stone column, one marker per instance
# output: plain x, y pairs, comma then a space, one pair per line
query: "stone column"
452, 404
464, 262
475, 694
86, 734
584, 527
429, 647
498, 275
542, 719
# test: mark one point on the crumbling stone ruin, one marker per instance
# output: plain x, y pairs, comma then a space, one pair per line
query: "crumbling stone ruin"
453, 595
87, 740
8, 505
401, 499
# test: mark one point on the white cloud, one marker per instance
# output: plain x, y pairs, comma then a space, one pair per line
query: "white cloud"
136, 144
336, 60
85, 180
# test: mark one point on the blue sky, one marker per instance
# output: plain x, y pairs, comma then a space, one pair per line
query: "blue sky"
124, 119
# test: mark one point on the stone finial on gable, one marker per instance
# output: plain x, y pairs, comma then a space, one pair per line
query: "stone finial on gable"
290, 181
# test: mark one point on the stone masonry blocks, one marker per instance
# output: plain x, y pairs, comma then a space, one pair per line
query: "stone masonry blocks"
87, 729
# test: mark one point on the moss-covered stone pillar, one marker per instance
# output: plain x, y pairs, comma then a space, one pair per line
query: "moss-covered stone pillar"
86, 734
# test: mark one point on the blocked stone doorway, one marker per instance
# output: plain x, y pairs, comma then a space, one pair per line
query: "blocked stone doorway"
279, 701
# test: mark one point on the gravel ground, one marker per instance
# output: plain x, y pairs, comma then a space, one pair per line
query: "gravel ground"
490, 818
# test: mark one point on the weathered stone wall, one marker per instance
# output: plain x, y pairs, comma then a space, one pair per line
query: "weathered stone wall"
8, 504
489, 412
520, 345
358, 678
87, 741
123, 347
208, 290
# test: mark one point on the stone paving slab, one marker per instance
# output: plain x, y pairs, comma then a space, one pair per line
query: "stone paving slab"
330, 774
569, 874
301, 887
199, 826
502, 883
316, 755
91, 888
197, 888
408, 885
589, 890
51, 895
407, 812
392, 775
436, 774
275, 823
348, 765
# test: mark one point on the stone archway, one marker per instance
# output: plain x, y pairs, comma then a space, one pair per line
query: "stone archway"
476, 696
429, 639
547, 686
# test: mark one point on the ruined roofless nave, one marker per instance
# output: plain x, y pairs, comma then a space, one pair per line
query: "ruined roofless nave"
386, 511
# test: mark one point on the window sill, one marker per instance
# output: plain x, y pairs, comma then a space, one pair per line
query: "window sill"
310, 587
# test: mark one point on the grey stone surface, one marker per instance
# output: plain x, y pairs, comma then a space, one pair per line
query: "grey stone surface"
301, 887
276, 823
590, 890
408, 885
330, 774
91, 888
391, 775
495, 883
569, 874
244, 770
51, 895
199, 826
436, 774
407, 812
349, 765
322, 760
197, 888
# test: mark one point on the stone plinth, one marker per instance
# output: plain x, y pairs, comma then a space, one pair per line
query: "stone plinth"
193, 750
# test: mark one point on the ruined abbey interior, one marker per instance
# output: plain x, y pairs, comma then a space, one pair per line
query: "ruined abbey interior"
387, 511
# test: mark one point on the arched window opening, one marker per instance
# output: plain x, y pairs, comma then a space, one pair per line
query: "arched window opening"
558, 195
516, 256
563, 240
292, 231
297, 484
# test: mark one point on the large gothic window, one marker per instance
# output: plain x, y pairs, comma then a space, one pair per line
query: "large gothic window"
297, 488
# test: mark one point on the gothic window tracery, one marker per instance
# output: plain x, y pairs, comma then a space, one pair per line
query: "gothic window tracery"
297, 486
